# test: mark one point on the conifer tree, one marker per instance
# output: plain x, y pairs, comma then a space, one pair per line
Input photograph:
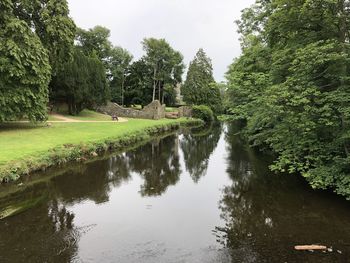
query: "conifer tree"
200, 87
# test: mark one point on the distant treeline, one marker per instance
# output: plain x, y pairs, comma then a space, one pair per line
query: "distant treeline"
44, 56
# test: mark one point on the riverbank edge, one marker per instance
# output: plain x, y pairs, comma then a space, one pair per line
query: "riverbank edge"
81, 152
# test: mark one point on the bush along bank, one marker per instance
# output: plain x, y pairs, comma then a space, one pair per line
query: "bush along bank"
203, 112
57, 156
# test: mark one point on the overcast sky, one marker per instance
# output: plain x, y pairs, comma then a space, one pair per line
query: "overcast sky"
186, 24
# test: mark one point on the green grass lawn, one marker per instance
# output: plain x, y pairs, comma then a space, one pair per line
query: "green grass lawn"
88, 115
18, 141
170, 109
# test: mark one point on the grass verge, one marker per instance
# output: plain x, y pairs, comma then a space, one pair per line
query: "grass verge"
25, 148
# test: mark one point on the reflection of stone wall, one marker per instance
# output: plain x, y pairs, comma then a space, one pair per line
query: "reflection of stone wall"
153, 111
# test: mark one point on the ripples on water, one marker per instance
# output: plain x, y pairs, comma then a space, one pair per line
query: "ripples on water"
194, 196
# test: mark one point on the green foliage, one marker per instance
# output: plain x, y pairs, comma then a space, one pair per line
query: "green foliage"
138, 86
119, 63
200, 87
95, 42
82, 83
56, 31
291, 84
50, 21
203, 112
166, 64
24, 70
36, 39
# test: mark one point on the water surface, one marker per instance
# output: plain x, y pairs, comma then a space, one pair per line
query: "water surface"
195, 196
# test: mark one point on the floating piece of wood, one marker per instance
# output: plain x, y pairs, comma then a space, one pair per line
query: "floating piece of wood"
310, 247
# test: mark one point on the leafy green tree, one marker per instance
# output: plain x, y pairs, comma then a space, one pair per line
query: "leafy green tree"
82, 82
291, 84
50, 20
95, 42
24, 69
119, 63
200, 87
166, 63
247, 79
138, 86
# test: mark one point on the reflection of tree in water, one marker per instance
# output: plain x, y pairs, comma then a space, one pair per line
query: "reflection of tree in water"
45, 233
197, 146
262, 213
92, 181
238, 209
158, 164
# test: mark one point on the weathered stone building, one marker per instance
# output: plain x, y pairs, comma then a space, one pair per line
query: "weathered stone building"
153, 111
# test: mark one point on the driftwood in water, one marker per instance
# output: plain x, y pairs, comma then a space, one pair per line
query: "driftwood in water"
310, 247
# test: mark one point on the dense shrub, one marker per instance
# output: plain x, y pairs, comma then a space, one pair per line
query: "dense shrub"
203, 112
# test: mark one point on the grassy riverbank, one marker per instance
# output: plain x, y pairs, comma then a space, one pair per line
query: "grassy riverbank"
25, 148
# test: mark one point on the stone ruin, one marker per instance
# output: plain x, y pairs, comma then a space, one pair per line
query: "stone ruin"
153, 111
185, 111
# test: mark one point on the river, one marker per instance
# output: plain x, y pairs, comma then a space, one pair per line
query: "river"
192, 196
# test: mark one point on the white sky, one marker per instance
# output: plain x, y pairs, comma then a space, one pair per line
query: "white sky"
186, 24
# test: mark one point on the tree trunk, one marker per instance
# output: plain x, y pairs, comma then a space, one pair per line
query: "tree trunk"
343, 68
122, 92
69, 107
154, 83
159, 90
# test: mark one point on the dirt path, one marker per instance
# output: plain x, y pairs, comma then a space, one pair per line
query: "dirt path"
67, 119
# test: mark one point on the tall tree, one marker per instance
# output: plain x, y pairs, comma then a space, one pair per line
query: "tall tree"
95, 41
166, 63
50, 20
24, 68
200, 87
138, 86
292, 86
120, 60
82, 83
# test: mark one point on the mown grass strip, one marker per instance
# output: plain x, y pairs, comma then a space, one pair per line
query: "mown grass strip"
26, 149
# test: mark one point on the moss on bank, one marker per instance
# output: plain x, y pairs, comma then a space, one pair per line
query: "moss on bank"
54, 156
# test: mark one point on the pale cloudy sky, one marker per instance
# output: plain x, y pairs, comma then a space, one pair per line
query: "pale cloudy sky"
186, 24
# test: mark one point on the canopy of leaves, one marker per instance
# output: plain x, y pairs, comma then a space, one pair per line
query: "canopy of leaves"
138, 87
291, 84
24, 69
166, 63
200, 87
120, 60
50, 20
82, 82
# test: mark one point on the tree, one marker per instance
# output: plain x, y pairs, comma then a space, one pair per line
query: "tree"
138, 87
166, 63
82, 83
247, 78
291, 85
200, 87
95, 42
50, 20
119, 63
24, 69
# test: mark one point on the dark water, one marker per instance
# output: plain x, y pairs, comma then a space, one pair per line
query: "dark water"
199, 196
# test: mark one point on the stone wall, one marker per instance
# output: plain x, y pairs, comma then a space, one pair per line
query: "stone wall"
153, 111
185, 111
